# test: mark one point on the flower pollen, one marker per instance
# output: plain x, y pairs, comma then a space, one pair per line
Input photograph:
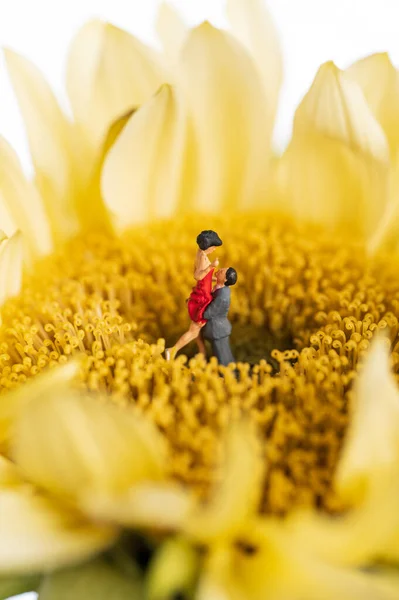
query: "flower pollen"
306, 305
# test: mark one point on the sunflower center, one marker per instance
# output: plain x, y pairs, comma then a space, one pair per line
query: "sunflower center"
304, 309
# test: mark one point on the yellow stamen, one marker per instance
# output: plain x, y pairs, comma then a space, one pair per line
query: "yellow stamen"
304, 311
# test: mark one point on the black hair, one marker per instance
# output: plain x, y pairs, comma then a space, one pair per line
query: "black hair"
231, 276
207, 239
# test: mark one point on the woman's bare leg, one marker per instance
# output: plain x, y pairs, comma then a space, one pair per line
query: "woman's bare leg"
186, 338
201, 344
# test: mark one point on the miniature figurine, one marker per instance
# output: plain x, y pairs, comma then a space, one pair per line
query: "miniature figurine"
218, 328
201, 294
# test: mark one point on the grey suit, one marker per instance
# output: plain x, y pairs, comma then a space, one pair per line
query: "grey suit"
218, 328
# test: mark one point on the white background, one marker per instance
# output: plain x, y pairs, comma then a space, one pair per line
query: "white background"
312, 31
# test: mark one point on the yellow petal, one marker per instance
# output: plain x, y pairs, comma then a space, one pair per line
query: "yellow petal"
35, 535
365, 534
236, 497
75, 446
371, 451
379, 81
93, 212
335, 107
108, 72
150, 143
9, 476
226, 104
278, 568
49, 135
386, 233
254, 27
209, 589
23, 203
369, 533
172, 32
13, 403
337, 163
155, 505
313, 579
367, 476
11, 258
8, 225
114, 132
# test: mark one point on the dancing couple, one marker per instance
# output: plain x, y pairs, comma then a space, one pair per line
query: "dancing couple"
208, 305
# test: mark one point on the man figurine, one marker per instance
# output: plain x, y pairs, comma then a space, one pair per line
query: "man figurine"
218, 328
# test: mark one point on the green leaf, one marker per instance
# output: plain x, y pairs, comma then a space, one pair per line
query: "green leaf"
14, 585
97, 580
174, 570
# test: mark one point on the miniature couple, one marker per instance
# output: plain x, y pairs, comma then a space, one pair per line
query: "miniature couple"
208, 307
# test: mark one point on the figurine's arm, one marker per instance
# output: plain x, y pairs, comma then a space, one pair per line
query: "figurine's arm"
201, 270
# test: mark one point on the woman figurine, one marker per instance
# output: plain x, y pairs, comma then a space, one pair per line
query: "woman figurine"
201, 294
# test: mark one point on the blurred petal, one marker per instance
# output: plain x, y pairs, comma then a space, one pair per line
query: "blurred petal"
93, 210
368, 471
337, 163
254, 27
157, 505
150, 143
379, 81
14, 402
23, 203
97, 580
367, 476
11, 258
335, 107
236, 498
108, 72
367, 533
172, 31
8, 225
386, 233
310, 575
371, 451
114, 132
209, 589
9, 476
280, 569
226, 104
49, 135
74, 446
37, 536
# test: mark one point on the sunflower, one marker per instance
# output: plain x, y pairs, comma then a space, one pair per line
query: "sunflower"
276, 476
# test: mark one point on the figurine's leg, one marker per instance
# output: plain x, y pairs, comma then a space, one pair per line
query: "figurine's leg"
201, 344
185, 339
222, 350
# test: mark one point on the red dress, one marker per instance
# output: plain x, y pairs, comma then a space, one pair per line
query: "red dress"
199, 298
